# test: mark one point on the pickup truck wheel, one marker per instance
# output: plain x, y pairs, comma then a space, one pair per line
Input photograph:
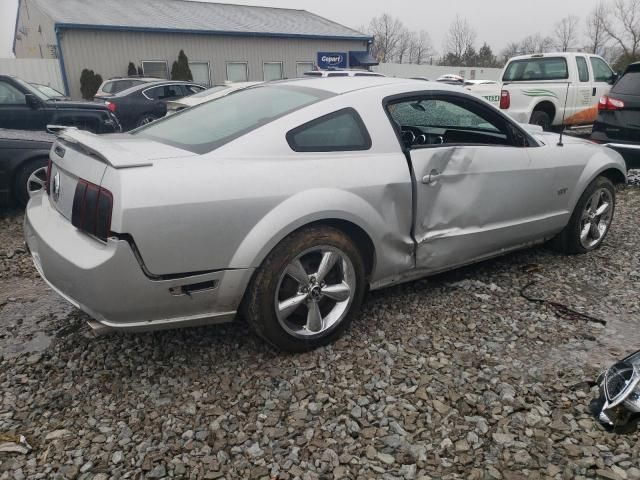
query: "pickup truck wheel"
307, 290
146, 119
541, 119
591, 219
30, 178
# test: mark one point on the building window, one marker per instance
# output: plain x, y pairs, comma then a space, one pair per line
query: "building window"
200, 72
302, 67
273, 71
155, 68
237, 71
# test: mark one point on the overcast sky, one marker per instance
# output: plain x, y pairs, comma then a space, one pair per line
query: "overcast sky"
496, 21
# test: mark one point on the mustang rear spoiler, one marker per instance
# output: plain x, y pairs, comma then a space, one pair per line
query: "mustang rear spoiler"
101, 149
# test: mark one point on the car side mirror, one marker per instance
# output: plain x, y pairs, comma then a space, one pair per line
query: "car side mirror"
32, 100
614, 78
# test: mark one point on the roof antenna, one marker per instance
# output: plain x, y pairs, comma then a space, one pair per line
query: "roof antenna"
564, 112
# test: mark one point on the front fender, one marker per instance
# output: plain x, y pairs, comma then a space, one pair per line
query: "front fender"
601, 160
392, 249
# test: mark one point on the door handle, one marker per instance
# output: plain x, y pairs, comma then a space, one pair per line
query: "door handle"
432, 178
594, 92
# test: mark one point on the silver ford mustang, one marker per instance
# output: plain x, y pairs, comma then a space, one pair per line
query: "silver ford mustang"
288, 200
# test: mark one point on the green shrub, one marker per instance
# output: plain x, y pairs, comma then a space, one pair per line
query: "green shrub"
180, 70
89, 83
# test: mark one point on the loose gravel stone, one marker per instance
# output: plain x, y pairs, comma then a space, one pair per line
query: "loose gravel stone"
456, 376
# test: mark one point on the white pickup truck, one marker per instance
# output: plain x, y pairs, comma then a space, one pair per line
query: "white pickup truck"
536, 88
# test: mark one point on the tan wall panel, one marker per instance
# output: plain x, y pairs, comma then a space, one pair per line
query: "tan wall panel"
108, 53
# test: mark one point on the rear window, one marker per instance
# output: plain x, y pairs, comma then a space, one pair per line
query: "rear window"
210, 125
337, 132
121, 85
629, 84
536, 69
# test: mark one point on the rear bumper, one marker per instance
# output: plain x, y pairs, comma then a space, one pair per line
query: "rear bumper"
107, 282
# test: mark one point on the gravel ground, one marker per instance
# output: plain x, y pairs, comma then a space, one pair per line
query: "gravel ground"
457, 376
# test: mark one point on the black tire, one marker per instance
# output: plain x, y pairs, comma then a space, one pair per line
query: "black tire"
542, 119
568, 241
20, 189
259, 304
145, 119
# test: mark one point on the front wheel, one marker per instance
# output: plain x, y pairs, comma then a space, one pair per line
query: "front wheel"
591, 219
307, 290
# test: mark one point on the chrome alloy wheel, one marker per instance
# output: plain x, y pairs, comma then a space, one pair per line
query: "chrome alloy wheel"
36, 181
315, 292
596, 218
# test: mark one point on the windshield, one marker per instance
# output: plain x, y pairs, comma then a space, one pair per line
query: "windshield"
212, 124
48, 91
536, 69
31, 89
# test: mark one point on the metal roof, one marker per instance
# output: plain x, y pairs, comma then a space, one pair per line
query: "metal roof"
193, 17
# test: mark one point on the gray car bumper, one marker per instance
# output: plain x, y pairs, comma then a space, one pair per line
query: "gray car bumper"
107, 282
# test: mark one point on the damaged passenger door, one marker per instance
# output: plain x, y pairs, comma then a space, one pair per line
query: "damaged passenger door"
476, 193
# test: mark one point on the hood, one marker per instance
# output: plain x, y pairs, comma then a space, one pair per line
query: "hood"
550, 138
76, 105
122, 150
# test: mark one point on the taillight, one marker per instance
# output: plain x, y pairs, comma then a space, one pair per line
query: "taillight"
92, 206
111, 106
505, 100
48, 178
607, 103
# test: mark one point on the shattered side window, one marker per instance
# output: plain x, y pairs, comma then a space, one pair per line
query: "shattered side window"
437, 113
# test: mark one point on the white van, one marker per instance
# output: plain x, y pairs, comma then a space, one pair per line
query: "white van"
535, 88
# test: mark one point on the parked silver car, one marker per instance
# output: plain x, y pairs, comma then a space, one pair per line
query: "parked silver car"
288, 200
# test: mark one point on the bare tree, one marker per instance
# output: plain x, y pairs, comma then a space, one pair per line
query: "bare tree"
386, 31
535, 44
511, 50
566, 32
623, 26
421, 48
403, 49
595, 27
459, 38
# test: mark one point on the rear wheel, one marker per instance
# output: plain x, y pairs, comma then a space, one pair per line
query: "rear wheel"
542, 119
307, 290
30, 179
591, 219
146, 119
